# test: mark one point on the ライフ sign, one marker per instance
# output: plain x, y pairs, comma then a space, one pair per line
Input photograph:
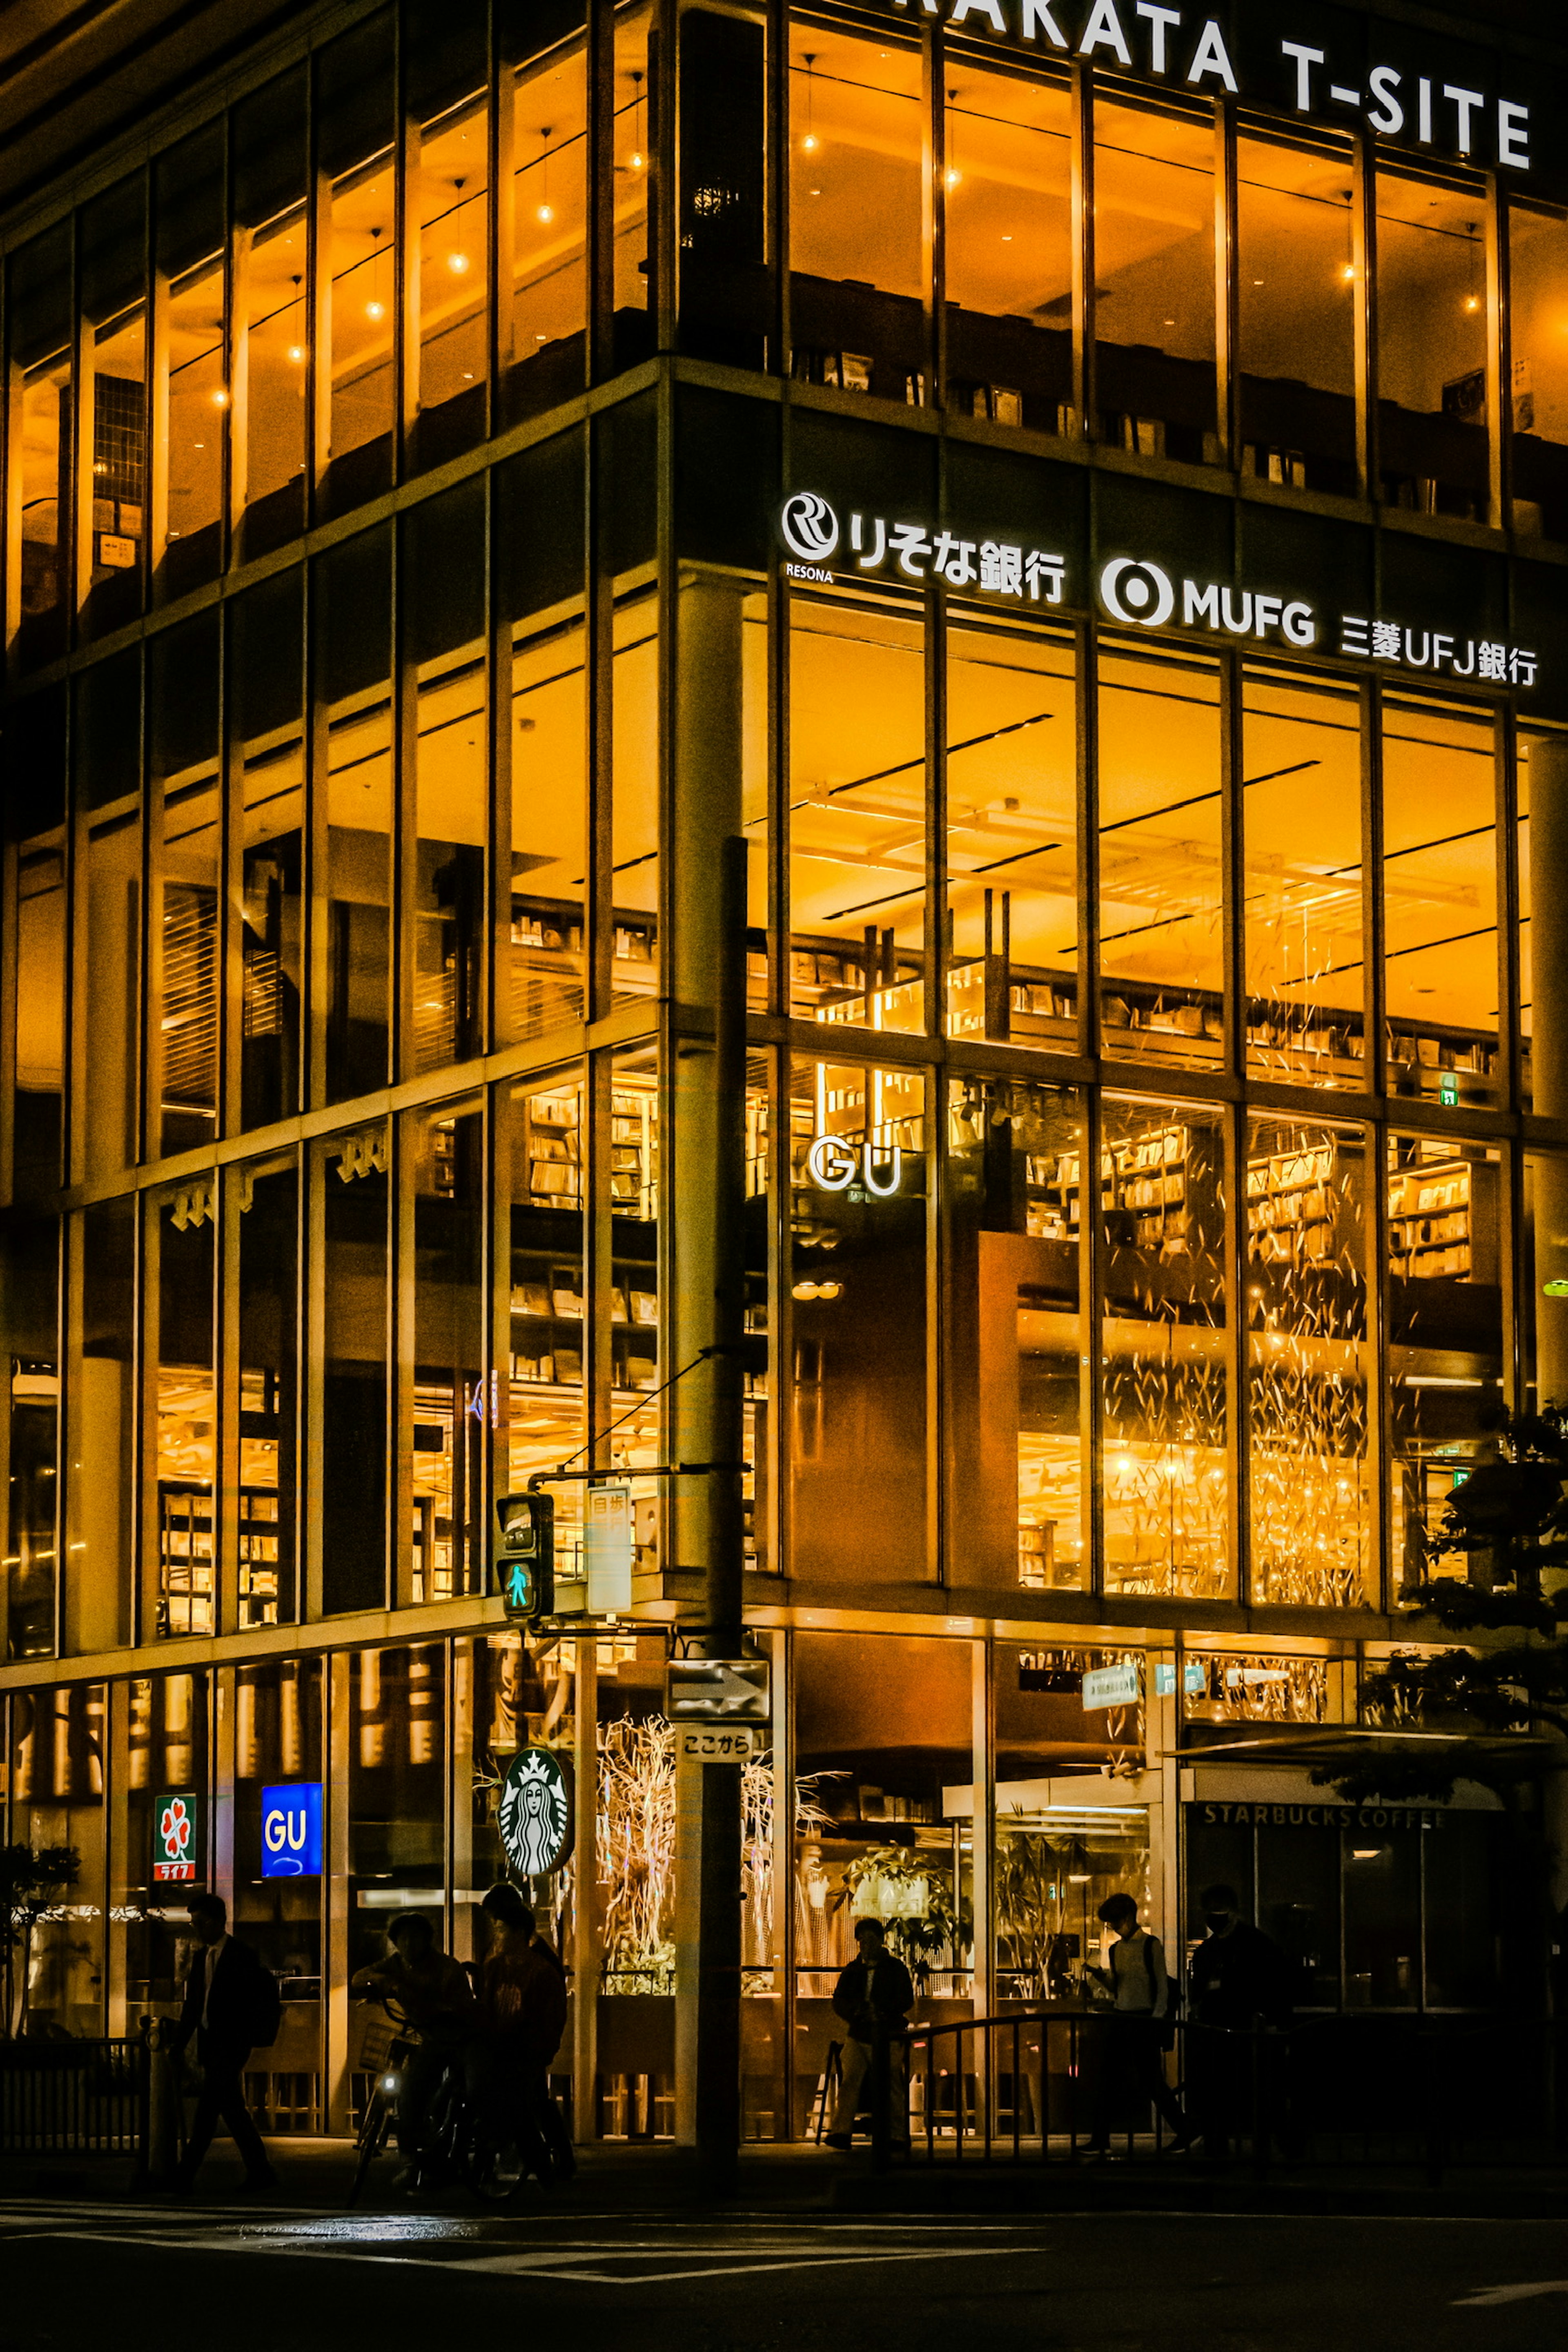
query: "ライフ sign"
718, 1690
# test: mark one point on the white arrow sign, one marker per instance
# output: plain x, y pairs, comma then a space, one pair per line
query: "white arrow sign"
719, 1690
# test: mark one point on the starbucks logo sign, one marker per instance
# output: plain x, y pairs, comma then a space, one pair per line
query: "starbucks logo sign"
535, 1814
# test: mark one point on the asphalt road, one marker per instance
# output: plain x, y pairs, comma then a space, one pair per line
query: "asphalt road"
290, 2279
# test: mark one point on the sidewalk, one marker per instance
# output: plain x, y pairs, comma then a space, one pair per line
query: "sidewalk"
805, 2179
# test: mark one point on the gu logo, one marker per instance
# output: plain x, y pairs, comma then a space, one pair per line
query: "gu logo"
535, 1812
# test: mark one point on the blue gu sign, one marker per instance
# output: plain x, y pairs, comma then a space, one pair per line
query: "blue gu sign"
291, 1831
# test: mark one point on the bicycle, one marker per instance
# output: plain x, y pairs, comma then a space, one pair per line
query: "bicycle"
460, 2141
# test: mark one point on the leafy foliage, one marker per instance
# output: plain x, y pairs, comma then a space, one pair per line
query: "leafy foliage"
1509, 1523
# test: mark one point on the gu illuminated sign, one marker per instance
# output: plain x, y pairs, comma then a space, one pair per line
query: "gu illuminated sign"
291, 1831
833, 1166
1405, 94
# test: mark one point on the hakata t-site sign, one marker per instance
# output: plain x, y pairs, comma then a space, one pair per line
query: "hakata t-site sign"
536, 1817
176, 1838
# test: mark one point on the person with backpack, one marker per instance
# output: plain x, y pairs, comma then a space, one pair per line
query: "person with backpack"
232, 2007
1138, 2030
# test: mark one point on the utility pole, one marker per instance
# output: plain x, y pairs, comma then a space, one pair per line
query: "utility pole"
701, 1212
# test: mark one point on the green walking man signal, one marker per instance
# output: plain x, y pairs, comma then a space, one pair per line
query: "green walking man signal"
526, 1558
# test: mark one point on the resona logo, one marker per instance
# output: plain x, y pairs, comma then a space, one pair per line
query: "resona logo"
810, 527
1132, 591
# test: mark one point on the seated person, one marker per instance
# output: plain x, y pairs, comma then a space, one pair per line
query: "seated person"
433, 1991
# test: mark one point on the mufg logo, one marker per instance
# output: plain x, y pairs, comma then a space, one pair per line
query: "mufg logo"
291, 1831
810, 531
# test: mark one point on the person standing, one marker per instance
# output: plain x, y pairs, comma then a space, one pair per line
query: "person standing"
433, 1991
230, 2006
522, 2001
1137, 2031
1242, 1990
873, 1997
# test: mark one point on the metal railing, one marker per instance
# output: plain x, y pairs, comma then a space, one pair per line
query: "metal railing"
74, 2098
1427, 2093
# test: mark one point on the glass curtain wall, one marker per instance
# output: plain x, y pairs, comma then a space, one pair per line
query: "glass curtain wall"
167, 1839
112, 296
1439, 901
447, 1406
1537, 257
54, 1976
184, 882
358, 308
191, 406
1296, 305
271, 364
39, 339
107, 903
265, 1199
857, 140
443, 631
548, 214
280, 1749
99, 1510
265, 720
349, 1422
1154, 282
1164, 1349
35, 812
354, 603
858, 811
1432, 419
180, 1514
1018, 1503
1008, 210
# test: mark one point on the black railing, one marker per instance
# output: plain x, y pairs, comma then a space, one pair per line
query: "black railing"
73, 2098
1427, 2093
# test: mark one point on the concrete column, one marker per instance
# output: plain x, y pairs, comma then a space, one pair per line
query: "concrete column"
1549, 1052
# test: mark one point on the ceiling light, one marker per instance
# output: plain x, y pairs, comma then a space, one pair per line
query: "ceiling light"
457, 263
808, 144
220, 398
296, 352
636, 160
375, 310
953, 178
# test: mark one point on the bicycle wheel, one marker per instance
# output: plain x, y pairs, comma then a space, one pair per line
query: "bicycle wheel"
372, 2139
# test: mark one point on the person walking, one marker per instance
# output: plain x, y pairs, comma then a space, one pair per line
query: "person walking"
522, 2001
1138, 2030
1242, 1989
874, 1995
231, 2006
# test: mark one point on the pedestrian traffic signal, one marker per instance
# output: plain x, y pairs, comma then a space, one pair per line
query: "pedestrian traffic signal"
525, 1560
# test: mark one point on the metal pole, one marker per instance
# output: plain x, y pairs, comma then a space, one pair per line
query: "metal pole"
719, 1984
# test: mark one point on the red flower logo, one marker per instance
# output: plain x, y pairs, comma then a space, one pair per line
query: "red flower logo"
175, 1828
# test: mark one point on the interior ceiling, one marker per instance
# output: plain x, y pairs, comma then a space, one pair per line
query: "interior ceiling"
73, 76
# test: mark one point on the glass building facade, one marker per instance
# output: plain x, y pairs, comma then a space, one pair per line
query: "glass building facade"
456, 477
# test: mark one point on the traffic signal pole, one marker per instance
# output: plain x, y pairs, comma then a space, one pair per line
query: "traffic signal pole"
701, 1205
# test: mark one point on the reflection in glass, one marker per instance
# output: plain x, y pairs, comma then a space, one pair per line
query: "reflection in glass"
633, 145
856, 1436
1305, 969
38, 329
351, 1174
1012, 836
444, 628
1296, 298
1445, 1332
858, 814
549, 201
549, 1335
1154, 282
278, 1709
1432, 417
268, 1208
1439, 901
450, 186
266, 719
1538, 340
1017, 1507
1163, 1205
356, 635
100, 1463
1309, 1372
184, 1407
449, 1407
634, 823
167, 1760
186, 813
857, 267
397, 1793
549, 828
277, 356
112, 247
190, 388
1161, 869
1009, 248
884, 1732
55, 1988
36, 795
